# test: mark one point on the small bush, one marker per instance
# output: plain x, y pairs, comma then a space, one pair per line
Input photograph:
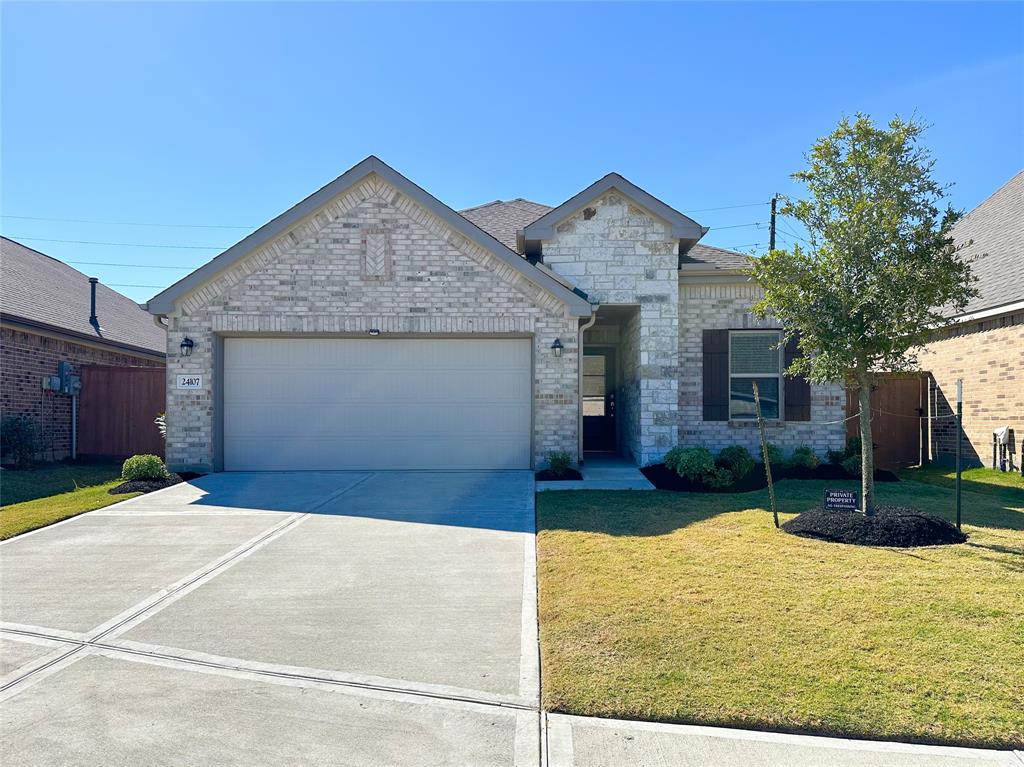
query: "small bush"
852, 449
671, 459
559, 462
852, 465
718, 478
803, 458
737, 459
20, 439
143, 467
775, 455
693, 463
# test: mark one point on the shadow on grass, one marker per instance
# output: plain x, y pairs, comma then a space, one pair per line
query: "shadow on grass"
636, 513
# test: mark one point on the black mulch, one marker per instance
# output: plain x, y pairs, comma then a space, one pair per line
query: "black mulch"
148, 485
898, 526
664, 478
547, 476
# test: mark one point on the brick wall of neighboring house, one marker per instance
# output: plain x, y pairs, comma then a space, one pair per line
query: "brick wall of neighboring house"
727, 307
27, 357
415, 275
989, 357
619, 253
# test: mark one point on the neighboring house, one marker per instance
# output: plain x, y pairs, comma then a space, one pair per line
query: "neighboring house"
984, 344
46, 318
373, 327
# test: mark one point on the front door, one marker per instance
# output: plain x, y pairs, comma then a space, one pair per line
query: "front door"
599, 399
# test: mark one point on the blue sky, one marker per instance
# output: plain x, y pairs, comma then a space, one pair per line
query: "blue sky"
227, 114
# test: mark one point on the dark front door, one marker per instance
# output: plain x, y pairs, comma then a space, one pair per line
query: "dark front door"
598, 399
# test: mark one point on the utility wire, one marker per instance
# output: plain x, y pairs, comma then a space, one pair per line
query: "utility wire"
125, 223
125, 285
737, 226
727, 207
119, 244
133, 266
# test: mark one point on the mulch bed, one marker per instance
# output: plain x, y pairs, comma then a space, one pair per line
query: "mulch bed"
664, 478
149, 485
547, 476
898, 526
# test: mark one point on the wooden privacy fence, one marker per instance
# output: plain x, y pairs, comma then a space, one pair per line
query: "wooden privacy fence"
897, 426
116, 410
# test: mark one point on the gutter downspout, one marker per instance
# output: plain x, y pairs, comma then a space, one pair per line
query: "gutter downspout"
579, 380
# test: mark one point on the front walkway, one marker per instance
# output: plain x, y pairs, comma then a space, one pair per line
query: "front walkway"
603, 471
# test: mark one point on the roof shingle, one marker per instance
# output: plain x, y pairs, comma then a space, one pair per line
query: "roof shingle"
503, 218
40, 289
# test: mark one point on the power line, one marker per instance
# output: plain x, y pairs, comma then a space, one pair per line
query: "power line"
119, 244
125, 223
727, 207
132, 266
125, 285
736, 226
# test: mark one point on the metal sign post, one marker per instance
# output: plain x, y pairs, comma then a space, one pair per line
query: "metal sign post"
764, 453
959, 441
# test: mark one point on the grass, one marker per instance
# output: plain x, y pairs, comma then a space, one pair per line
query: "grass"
693, 608
50, 493
978, 479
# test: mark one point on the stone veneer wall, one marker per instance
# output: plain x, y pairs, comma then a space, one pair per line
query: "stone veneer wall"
370, 258
27, 357
989, 357
620, 254
727, 306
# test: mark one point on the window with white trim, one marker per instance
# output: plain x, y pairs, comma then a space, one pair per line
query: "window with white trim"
755, 355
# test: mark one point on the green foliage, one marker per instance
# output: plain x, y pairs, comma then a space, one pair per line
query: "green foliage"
803, 458
691, 462
737, 459
852, 449
143, 467
559, 462
852, 465
20, 439
718, 478
775, 455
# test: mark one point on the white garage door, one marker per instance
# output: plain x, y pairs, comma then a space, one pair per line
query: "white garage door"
376, 403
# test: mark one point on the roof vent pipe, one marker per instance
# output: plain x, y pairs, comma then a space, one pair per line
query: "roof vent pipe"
93, 319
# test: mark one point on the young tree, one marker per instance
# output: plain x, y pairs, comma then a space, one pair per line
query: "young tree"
880, 266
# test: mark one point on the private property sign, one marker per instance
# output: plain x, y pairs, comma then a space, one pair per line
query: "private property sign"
190, 382
840, 500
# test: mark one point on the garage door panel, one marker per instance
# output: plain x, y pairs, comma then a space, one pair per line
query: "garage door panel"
377, 403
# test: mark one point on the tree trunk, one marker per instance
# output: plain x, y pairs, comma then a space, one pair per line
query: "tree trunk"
867, 450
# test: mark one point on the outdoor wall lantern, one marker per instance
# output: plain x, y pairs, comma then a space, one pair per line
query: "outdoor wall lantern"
557, 347
187, 345
374, 331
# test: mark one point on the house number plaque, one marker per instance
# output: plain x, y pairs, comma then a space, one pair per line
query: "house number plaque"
190, 382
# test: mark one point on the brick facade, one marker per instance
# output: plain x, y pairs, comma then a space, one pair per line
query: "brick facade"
726, 306
619, 253
370, 258
27, 357
989, 356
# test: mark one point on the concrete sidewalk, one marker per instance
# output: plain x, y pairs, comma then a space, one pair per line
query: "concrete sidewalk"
574, 741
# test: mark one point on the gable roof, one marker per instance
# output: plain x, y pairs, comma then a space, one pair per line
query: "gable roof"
504, 219
164, 302
682, 226
38, 290
997, 228
703, 257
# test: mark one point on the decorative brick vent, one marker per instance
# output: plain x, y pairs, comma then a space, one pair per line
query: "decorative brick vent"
377, 262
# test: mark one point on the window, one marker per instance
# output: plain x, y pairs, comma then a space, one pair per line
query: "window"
755, 355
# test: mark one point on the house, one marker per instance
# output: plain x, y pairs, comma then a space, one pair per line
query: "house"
373, 327
55, 322
984, 344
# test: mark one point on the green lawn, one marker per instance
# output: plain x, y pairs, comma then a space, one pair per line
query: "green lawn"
693, 608
979, 480
53, 492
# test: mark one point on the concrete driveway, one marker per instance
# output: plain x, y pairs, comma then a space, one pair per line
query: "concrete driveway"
315, 618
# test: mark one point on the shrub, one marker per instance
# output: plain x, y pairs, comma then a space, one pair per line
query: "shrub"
692, 463
775, 455
143, 467
803, 458
737, 459
559, 462
20, 439
718, 478
852, 465
672, 457
852, 449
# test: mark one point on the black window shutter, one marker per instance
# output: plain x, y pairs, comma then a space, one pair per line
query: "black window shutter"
716, 375
798, 391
